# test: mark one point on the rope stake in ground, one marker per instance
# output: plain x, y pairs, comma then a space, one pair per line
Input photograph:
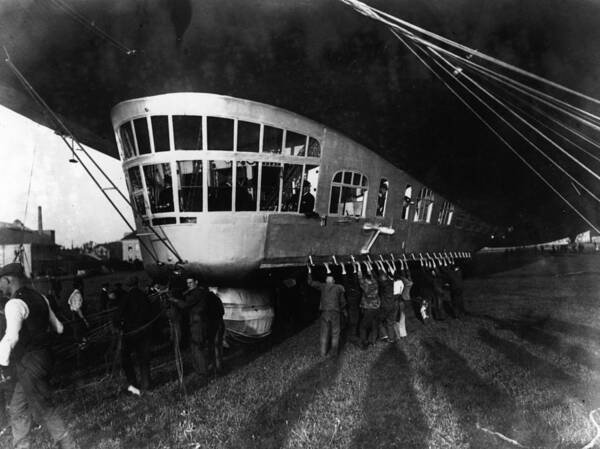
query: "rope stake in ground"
595, 423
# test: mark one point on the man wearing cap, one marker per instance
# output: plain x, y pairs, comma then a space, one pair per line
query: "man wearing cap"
307, 202
332, 306
24, 347
133, 318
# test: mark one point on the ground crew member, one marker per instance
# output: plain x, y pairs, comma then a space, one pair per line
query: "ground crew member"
76, 305
133, 318
453, 275
407, 284
25, 347
353, 295
389, 307
369, 303
195, 302
215, 329
332, 306
432, 291
104, 298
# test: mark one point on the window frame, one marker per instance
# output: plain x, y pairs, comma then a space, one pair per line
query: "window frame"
363, 183
424, 205
446, 214
172, 158
383, 181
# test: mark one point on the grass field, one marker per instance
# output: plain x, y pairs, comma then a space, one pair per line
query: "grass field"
525, 364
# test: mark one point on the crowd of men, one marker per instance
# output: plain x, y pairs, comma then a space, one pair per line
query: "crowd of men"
370, 300
367, 301
30, 318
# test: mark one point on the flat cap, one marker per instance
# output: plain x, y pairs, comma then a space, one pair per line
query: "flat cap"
12, 269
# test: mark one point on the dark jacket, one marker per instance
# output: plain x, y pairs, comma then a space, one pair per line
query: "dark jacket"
332, 295
34, 329
352, 289
370, 298
407, 287
133, 311
386, 293
453, 275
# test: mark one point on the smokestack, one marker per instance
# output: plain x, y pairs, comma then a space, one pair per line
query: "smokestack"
40, 227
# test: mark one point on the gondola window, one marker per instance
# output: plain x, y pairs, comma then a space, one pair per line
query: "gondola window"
314, 147
407, 202
382, 196
127, 140
446, 213
220, 185
160, 131
348, 194
248, 136
295, 144
292, 183
246, 185
424, 205
160, 187
187, 131
141, 133
272, 139
190, 186
269, 186
137, 189
219, 133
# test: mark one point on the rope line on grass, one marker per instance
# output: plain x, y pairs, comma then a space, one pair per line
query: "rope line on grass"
593, 442
178, 357
502, 437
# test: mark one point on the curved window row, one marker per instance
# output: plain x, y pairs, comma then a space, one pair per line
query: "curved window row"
159, 133
223, 185
348, 194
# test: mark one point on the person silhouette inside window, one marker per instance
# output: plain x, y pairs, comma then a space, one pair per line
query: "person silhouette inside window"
307, 202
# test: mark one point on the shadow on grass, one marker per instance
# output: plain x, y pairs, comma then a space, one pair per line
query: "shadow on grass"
126, 425
492, 407
529, 329
564, 327
523, 358
566, 384
270, 425
393, 416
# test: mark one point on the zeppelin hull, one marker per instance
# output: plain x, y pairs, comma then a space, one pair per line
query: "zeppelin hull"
228, 187
243, 250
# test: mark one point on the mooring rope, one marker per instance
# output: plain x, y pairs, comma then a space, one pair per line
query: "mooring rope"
595, 423
178, 357
499, 435
396, 22
590, 445
492, 129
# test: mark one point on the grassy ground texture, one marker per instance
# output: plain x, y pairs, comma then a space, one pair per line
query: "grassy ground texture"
525, 364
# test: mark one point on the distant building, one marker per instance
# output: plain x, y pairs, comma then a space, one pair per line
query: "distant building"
36, 249
131, 247
102, 252
127, 249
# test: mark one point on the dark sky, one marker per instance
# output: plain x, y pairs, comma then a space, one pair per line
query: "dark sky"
323, 60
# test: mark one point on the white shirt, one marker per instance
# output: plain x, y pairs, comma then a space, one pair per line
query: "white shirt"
16, 311
75, 301
398, 287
